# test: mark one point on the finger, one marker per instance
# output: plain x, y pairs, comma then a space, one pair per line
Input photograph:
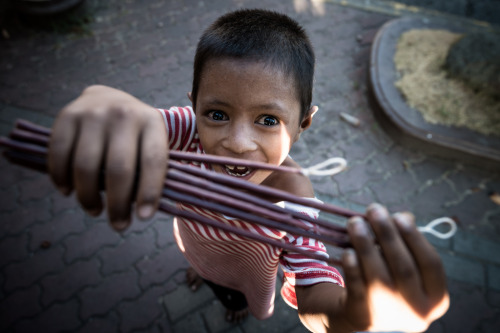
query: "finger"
153, 166
401, 264
120, 171
62, 139
369, 257
88, 161
355, 283
427, 259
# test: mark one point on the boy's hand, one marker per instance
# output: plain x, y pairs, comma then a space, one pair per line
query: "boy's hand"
107, 129
396, 283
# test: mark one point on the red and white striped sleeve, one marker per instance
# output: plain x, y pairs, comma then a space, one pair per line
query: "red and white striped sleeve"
300, 270
181, 127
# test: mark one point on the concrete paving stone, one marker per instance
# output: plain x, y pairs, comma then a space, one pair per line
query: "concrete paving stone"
493, 276
436, 327
183, 301
23, 274
373, 21
13, 249
104, 297
471, 211
159, 268
11, 113
75, 277
472, 245
493, 298
299, 329
20, 304
365, 197
470, 301
59, 317
141, 312
491, 325
131, 250
98, 325
61, 203
462, 269
9, 199
359, 150
164, 232
86, 244
431, 199
326, 186
192, 323
56, 229
367, 36
151, 67
284, 319
139, 226
396, 189
355, 178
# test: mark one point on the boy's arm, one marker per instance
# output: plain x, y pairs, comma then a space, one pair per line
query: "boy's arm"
394, 279
108, 129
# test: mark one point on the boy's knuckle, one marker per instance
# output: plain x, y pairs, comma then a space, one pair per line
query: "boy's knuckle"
405, 272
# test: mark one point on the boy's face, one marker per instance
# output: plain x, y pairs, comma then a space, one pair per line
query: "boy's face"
249, 111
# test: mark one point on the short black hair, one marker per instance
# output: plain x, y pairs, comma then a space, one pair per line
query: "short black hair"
262, 36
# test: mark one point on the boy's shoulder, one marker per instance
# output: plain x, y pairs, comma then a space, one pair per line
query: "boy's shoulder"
296, 184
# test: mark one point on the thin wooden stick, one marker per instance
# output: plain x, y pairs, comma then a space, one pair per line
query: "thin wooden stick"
29, 143
286, 214
236, 208
167, 208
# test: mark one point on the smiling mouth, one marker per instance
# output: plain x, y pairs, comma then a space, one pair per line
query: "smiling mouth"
237, 171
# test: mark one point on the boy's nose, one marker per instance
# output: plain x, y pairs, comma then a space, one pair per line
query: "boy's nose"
239, 141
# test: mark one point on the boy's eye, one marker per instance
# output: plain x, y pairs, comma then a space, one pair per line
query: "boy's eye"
217, 115
268, 121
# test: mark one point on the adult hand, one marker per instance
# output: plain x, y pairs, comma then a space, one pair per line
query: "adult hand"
110, 130
394, 278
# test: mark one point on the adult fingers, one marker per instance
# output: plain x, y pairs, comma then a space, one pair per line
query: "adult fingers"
402, 266
427, 259
369, 256
120, 169
153, 166
88, 160
63, 137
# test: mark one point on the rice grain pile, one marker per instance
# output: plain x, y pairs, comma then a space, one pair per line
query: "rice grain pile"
420, 59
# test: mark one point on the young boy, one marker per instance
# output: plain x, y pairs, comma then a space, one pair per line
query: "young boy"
251, 99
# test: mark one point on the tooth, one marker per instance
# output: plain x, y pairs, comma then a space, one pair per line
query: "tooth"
240, 168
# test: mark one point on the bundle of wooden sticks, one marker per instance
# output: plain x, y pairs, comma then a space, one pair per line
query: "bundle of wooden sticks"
27, 145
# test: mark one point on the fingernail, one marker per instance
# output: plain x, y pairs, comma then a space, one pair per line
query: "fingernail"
119, 225
350, 258
358, 225
375, 207
403, 220
146, 211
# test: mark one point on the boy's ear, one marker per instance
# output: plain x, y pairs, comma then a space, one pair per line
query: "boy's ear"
190, 97
307, 120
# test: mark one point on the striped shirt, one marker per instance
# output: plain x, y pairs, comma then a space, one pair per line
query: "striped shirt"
234, 261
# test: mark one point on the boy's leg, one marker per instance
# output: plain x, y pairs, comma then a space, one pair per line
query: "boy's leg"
194, 281
233, 300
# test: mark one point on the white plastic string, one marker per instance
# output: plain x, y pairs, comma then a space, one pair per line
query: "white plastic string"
316, 170
341, 164
430, 228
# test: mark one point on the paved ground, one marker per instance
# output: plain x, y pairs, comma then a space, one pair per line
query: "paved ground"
63, 271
